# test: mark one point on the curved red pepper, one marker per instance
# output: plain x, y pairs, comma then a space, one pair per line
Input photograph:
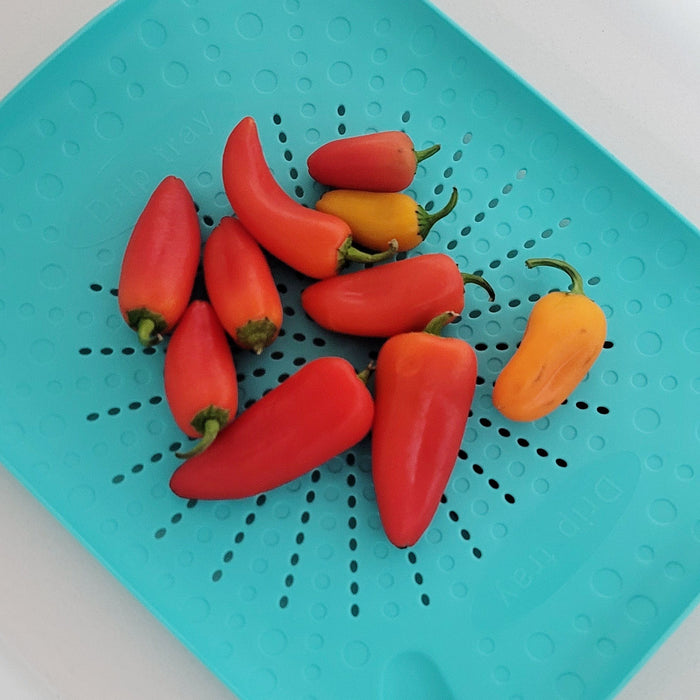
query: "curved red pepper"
240, 286
318, 412
382, 162
384, 300
424, 386
201, 386
312, 242
160, 262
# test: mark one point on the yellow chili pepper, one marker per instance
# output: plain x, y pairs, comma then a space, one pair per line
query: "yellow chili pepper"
563, 337
375, 218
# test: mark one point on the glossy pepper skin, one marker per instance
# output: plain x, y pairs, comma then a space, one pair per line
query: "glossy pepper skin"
200, 381
375, 218
392, 298
240, 286
160, 262
563, 337
318, 412
384, 161
314, 243
424, 386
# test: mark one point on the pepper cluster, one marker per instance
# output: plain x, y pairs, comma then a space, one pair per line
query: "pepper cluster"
424, 382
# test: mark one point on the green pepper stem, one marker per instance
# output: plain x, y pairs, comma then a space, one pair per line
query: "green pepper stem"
476, 279
149, 325
257, 335
426, 152
348, 253
366, 373
145, 330
211, 429
436, 325
576, 279
426, 220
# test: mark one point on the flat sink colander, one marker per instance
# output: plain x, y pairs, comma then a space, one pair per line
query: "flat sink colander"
563, 550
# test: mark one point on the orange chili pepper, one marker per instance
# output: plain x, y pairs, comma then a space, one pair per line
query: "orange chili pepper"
563, 338
375, 218
241, 287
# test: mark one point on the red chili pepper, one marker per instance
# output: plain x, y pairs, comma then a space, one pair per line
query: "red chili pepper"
396, 297
383, 162
160, 262
318, 412
200, 381
240, 286
312, 242
424, 385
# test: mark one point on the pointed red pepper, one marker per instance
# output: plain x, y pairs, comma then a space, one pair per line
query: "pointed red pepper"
424, 386
160, 262
200, 381
240, 286
312, 242
382, 162
318, 412
396, 297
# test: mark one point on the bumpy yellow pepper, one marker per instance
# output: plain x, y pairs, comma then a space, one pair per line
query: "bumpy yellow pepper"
375, 218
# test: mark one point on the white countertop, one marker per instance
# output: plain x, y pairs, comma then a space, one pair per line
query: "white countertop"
626, 71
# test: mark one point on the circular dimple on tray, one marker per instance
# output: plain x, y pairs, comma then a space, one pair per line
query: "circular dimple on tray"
598, 200
414, 81
81, 95
265, 81
662, 511
544, 146
641, 609
671, 253
249, 25
570, 686
109, 125
423, 40
540, 646
152, 33
647, 420
607, 583
272, 642
674, 570
649, 343
339, 29
631, 268
356, 654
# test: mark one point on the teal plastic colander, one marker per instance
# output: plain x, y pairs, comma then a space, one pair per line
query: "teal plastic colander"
563, 550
